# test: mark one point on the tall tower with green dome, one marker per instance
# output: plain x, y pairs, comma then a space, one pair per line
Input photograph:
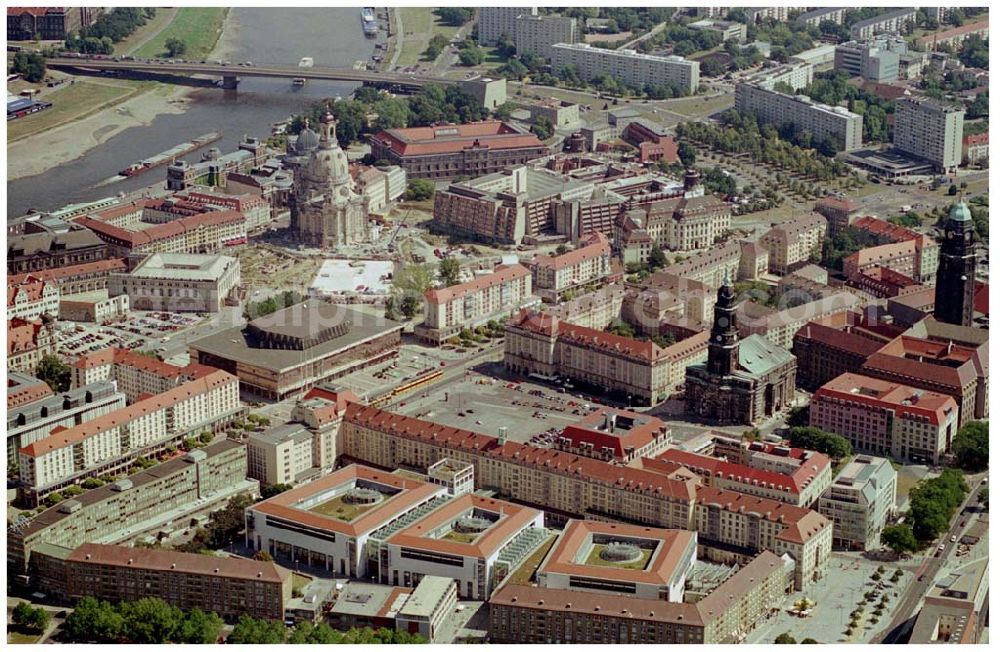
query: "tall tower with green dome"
956, 274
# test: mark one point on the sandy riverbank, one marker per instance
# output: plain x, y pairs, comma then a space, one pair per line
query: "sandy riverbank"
36, 154
40, 152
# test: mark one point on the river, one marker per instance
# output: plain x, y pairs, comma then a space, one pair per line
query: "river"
332, 37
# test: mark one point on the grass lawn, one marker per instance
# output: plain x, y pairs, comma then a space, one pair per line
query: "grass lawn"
594, 559
300, 581
905, 482
460, 537
339, 509
700, 106
72, 102
199, 27
419, 25
17, 638
523, 574
159, 21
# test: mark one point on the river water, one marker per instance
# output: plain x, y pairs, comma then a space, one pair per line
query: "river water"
332, 37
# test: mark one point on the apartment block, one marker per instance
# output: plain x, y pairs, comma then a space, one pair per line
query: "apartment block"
32, 421
136, 375
797, 74
886, 418
925, 251
536, 34
75, 279
507, 206
494, 22
954, 36
467, 305
860, 502
793, 243
776, 108
590, 262
889, 22
228, 586
814, 17
930, 130
111, 442
116, 512
800, 485
628, 66
728, 30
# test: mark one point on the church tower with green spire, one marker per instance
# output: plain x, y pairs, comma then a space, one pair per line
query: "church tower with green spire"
956, 274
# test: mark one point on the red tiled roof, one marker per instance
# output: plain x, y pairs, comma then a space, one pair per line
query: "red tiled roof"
976, 139
513, 519
410, 493
447, 139
644, 350
170, 561
802, 524
594, 244
60, 273
982, 25
887, 230
591, 430
27, 394
22, 335
501, 274
619, 477
412, 428
719, 468
846, 205
30, 289
883, 395
163, 231
981, 298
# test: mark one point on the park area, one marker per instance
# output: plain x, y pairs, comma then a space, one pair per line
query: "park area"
72, 102
198, 27
341, 509
419, 26
595, 558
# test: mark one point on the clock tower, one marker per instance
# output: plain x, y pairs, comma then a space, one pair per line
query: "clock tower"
956, 274
724, 345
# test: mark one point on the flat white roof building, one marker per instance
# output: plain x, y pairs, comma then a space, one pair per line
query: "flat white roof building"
629, 66
179, 282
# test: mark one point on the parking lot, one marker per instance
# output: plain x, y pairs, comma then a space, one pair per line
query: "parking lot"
139, 330
483, 403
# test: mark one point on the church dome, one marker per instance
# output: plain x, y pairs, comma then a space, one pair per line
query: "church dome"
960, 212
307, 141
328, 164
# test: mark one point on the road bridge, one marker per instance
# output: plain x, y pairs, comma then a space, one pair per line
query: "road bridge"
231, 74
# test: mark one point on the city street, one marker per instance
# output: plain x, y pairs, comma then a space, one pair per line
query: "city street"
914, 594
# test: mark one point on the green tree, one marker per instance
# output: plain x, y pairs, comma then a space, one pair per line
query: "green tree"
198, 627
419, 190
809, 641
471, 56
657, 259
435, 46
55, 372
952, 190
94, 621
687, 154
272, 490
971, 446
409, 306
785, 638
256, 631
454, 16
29, 618
984, 497
150, 620
175, 47
900, 538
30, 65
262, 555
835, 446
449, 270
543, 128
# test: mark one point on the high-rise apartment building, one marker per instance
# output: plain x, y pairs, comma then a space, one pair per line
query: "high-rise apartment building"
930, 130
494, 22
537, 34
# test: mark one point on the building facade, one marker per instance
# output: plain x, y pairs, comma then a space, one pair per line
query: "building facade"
776, 108
629, 66
180, 283
885, 418
536, 34
860, 503
930, 130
